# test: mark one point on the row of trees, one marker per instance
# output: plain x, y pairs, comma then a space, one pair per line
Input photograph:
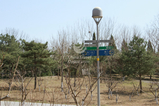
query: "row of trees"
34, 57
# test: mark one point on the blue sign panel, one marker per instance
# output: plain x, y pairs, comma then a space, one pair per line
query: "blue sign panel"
101, 53
106, 52
90, 53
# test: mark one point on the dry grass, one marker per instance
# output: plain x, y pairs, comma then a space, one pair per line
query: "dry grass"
53, 93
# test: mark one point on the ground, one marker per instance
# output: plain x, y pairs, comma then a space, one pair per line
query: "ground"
53, 93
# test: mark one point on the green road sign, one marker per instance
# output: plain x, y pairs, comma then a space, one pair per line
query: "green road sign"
102, 47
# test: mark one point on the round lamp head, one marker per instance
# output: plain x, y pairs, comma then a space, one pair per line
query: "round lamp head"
97, 12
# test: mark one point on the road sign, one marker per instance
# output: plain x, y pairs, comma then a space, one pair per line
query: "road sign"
95, 48
101, 53
90, 53
94, 41
90, 45
90, 41
106, 52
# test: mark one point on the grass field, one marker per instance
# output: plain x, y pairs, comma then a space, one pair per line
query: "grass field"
50, 92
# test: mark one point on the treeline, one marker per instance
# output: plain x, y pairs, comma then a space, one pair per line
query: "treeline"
134, 59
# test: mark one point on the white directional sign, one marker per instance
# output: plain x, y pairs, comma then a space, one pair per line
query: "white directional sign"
95, 41
90, 41
90, 45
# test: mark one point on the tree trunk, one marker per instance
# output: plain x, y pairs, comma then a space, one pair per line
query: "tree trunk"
140, 84
58, 73
150, 77
62, 75
74, 81
35, 75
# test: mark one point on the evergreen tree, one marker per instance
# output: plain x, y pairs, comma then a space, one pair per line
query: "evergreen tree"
112, 43
11, 48
149, 47
36, 56
94, 37
136, 60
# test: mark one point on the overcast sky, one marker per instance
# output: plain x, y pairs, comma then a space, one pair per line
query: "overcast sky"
42, 19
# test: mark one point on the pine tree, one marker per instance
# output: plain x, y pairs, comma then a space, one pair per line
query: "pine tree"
136, 60
11, 48
36, 56
149, 47
112, 43
94, 37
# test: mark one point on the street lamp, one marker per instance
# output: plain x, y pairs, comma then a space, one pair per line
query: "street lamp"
97, 16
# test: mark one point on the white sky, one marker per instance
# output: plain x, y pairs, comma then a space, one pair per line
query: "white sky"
42, 19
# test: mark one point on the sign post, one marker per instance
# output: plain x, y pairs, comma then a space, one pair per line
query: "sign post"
93, 50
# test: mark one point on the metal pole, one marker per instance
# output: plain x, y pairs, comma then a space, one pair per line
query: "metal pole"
98, 73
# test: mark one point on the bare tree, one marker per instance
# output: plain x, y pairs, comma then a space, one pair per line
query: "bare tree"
17, 34
7, 96
40, 81
153, 33
107, 28
74, 85
124, 33
154, 87
63, 45
20, 82
75, 91
111, 85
